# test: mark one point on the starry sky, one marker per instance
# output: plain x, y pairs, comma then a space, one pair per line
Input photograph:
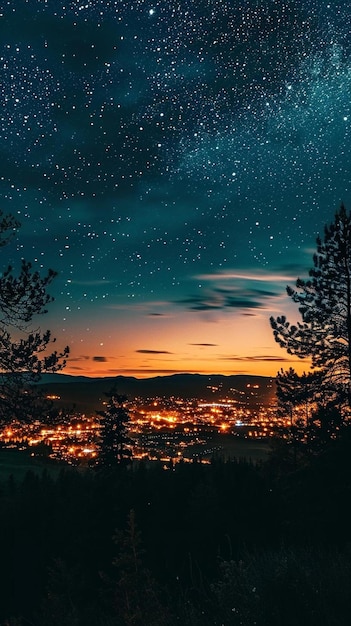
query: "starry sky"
173, 161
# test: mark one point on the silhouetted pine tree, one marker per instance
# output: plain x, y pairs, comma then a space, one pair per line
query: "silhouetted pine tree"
136, 595
24, 358
298, 400
324, 300
114, 446
297, 392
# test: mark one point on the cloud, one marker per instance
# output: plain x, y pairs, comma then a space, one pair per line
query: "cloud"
204, 345
235, 298
200, 303
100, 359
258, 359
257, 276
153, 352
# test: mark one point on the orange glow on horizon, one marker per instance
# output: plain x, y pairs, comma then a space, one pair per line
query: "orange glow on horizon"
208, 343
252, 368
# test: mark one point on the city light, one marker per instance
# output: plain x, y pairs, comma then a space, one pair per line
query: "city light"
164, 429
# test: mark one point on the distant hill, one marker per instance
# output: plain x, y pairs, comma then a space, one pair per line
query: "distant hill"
87, 394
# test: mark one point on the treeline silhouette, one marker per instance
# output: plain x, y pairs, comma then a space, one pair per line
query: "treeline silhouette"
226, 543
230, 543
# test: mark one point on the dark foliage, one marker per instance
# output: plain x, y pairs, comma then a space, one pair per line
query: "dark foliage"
114, 444
324, 301
295, 391
318, 403
149, 546
24, 352
289, 586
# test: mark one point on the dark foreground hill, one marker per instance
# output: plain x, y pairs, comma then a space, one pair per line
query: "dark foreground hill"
88, 393
231, 543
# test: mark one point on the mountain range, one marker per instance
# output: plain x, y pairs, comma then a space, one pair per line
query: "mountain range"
88, 393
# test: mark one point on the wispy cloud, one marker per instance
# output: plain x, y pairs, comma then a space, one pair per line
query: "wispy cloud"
263, 358
153, 352
100, 359
235, 298
246, 275
204, 345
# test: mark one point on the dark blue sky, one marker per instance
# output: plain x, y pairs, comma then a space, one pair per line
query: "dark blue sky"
174, 162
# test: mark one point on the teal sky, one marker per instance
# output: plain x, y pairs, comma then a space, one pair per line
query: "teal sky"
174, 162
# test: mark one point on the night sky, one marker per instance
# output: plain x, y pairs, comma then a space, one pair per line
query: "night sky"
173, 161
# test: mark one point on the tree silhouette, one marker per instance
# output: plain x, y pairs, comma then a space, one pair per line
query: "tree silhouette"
324, 300
24, 352
114, 442
300, 399
136, 595
286, 387
296, 392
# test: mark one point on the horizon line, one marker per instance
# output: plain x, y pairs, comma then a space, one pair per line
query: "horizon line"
155, 375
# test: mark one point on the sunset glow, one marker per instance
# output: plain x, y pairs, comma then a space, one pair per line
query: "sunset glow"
174, 164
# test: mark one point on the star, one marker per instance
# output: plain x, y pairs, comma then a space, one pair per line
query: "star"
141, 154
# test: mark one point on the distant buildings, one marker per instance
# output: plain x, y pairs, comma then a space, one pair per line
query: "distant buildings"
166, 429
